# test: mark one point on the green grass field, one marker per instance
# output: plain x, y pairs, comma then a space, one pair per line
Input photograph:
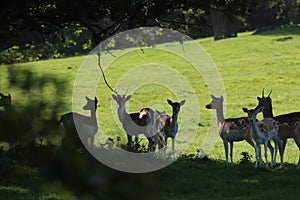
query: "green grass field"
247, 64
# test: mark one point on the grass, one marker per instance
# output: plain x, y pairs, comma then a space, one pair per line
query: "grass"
247, 64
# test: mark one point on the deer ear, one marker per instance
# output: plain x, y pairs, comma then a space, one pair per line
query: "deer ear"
169, 101
114, 97
259, 99
1, 95
96, 100
213, 96
128, 97
245, 110
9, 95
182, 102
260, 109
222, 98
88, 99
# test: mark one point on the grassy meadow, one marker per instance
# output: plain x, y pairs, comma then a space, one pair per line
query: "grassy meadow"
247, 64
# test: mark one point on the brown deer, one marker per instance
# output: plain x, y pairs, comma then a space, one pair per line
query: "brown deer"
142, 122
76, 124
267, 131
232, 129
288, 125
168, 126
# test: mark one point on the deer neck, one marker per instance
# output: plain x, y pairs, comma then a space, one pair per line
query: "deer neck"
174, 119
268, 111
122, 112
93, 114
220, 115
255, 130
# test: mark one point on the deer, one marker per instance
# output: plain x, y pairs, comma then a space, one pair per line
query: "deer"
263, 134
135, 124
288, 125
75, 124
168, 126
230, 130
5, 102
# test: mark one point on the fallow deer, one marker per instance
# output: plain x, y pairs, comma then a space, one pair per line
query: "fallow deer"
136, 123
168, 125
232, 129
5, 101
287, 125
264, 135
76, 124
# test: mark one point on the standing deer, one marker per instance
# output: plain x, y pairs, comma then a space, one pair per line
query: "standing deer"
86, 126
288, 127
136, 123
232, 129
270, 132
5, 101
168, 126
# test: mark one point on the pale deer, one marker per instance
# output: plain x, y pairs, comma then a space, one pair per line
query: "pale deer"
76, 124
287, 125
232, 129
263, 135
168, 126
136, 123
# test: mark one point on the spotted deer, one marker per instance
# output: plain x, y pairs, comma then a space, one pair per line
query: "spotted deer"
288, 125
168, 126
136, 123
76, 124
230, 130
267, 131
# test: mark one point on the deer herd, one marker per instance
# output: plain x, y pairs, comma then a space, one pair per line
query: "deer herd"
158, 126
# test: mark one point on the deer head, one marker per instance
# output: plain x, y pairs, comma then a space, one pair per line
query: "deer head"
175, 105
215, 102
265, 102
91, 104
252, 113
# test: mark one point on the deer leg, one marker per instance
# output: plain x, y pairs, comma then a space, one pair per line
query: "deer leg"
297, 140
272, 153
173, 145
257, 151
266, 153
129, 139
226, 150
275, 153
137, 144
231, 150
282, 143
165, 148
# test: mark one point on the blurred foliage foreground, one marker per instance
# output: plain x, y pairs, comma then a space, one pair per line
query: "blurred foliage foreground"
31, 155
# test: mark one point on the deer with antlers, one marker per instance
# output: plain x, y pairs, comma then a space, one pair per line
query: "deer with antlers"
136, 123
263, 133
76, 124
288, 125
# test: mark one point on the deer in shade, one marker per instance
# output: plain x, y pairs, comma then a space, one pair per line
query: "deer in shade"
5, 101
76, 124
134, 124
288, 125
267, 131
168, 126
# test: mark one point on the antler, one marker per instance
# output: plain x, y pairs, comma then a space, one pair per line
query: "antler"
270, 93
99, 64
262, 93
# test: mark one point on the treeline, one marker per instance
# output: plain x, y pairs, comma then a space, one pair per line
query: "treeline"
52, 28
